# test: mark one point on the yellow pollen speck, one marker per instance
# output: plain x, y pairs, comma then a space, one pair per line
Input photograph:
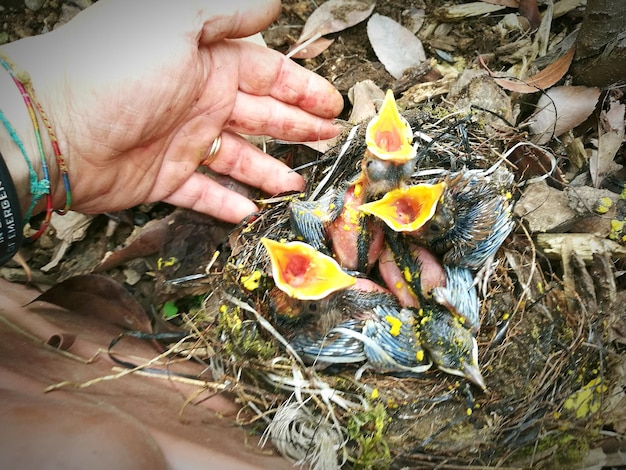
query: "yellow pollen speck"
357, 190
395, 323
506, 316
469, 412
223, 308
419, 355
398, 285
603, 205
251, 282
407, 275
375, 393
166, 263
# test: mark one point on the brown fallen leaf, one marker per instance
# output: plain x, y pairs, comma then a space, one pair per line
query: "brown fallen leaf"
532, 164
560, 109
145, 241
99, 296
331, 17
529, 10
540, 81
310, 48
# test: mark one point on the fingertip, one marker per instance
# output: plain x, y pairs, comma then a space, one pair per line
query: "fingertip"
237, 19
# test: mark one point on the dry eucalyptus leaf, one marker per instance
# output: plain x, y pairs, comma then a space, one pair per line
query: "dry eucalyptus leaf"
540, 81
309, 50
560, 109
610, 138
332, 17
395, 46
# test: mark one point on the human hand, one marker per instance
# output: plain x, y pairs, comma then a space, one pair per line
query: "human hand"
138, 90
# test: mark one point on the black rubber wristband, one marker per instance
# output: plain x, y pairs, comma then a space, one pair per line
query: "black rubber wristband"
11, 225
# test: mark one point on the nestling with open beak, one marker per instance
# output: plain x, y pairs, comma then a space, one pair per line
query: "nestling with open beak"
318, 307
335, 219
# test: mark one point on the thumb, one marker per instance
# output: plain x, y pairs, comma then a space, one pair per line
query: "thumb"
235, 18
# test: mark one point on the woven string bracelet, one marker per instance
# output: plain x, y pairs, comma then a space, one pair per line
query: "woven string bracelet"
38, 188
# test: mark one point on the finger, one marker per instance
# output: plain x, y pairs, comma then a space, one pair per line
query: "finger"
271, 73
265, 72
235, 18
202, 194
244, 162
264, 115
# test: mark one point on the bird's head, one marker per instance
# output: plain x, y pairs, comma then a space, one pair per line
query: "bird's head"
409, 208
303, 272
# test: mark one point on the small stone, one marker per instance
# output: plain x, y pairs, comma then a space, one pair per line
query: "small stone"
34, 5
545, 209
67, 13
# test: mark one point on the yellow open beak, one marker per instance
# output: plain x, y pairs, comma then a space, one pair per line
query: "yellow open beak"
406, 209
389, 135
303, 272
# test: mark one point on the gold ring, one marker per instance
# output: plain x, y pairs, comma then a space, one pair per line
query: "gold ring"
215, 147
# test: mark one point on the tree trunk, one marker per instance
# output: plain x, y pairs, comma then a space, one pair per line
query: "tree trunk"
600, 58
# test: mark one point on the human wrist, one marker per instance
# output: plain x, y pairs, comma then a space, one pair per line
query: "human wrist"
21, 145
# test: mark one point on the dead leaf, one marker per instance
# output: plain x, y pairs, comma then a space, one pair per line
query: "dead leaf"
540, 81
467, 10
534, 164
506, 3
529, 10
144, 241
610, 138
310, 48
364, 96
395, 46
560, 109
332, 17
99, 296
69, 228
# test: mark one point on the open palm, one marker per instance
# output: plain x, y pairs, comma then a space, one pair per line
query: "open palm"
137, 102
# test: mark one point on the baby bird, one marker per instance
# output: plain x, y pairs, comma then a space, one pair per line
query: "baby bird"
447, 315
482, 219
335, 220
318, 307
463, 219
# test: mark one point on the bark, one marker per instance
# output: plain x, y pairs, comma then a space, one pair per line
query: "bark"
600, 58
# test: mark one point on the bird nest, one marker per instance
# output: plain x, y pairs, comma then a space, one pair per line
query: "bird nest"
547, 366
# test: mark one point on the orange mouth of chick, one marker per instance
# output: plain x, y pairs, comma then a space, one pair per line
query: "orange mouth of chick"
304, 273
406, 209
389, 135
